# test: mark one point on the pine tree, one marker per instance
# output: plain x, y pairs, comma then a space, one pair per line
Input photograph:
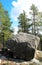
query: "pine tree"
23, 22
34, 12
4, 24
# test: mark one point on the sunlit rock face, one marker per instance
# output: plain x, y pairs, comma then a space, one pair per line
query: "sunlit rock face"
23, 45
38, 55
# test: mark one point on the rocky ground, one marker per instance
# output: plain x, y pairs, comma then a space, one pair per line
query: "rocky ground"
36, 61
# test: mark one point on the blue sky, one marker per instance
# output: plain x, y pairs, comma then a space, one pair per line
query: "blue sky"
8, 6
15, 7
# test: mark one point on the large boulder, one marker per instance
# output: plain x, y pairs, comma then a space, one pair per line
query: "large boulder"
23, 45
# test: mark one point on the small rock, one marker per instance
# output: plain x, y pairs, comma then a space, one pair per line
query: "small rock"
3, 58
35, 60
38, 55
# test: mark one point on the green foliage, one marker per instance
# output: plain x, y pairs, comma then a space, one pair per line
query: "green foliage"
39, 19
36, 19
34, 9
23, 22
5, 23
34, 12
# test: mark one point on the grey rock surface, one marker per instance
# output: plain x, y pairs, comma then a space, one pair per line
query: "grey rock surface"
29, 38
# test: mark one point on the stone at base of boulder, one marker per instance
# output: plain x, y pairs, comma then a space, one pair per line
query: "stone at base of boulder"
19, 63
38, 55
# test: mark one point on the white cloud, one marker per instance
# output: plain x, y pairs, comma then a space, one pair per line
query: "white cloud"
15, 30
21, 5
